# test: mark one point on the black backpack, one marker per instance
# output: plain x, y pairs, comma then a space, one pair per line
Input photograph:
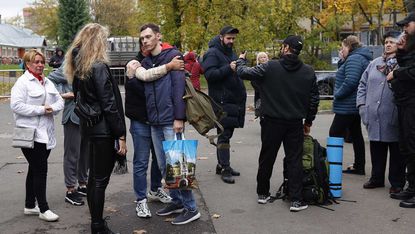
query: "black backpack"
316, 188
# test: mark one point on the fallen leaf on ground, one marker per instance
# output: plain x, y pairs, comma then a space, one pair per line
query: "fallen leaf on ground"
239, 142
142, 231
216, 216
168, 220
19, 157
20, 171
202, 158
110, 209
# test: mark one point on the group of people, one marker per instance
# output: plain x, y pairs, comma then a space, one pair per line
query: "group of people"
379, 93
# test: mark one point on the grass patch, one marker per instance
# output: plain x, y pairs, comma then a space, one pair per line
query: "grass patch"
325, 105
9, 66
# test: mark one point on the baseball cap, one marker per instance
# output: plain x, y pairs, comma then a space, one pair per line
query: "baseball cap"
295, 42
406, 20
229, 30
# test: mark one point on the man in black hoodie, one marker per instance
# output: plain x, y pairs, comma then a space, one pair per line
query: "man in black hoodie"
228, 90
289, 93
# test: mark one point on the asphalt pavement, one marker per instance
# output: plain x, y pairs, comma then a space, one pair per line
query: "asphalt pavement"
225, 208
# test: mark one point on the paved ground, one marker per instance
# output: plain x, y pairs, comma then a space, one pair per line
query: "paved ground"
373, 211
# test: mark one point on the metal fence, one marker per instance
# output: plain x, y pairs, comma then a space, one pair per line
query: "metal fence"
9, 77
325, 80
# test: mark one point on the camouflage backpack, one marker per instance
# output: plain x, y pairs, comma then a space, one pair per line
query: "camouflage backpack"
202, 112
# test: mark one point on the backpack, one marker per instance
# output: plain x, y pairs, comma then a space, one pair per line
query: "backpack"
316, 188
202, 112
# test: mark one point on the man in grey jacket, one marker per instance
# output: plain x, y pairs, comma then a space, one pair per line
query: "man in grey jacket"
75, 165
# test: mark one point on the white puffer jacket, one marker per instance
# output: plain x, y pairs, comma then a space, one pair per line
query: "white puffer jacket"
28, 98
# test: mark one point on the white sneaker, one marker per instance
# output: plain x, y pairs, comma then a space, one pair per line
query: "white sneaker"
48, 216
160, 195
142, 209
31, 211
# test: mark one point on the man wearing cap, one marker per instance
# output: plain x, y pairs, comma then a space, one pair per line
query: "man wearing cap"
228, 90
403, 84
290, 94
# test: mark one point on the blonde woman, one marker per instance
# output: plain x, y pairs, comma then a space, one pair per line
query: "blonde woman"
103, 125
261, 58
34, 101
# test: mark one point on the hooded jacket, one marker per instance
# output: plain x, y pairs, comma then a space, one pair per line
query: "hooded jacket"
193, 66
347, 80
288, 88
225, 87
164, 97
56, 60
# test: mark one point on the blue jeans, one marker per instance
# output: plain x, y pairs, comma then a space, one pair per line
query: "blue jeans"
141, 134
179, 196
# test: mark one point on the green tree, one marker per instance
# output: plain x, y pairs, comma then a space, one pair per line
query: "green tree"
73, 14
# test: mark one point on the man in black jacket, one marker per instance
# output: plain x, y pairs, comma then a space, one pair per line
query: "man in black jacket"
403, 85
289, 93
228, 90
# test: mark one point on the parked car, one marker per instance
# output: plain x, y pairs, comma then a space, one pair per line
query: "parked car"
325, 82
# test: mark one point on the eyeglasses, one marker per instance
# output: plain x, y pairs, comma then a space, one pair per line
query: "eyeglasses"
38, 61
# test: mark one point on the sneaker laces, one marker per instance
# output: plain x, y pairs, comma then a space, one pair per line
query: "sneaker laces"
161, 193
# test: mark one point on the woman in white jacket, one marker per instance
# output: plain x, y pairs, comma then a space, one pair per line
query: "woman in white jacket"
34, 101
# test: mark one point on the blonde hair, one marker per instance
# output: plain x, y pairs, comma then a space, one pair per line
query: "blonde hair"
352, 42
30, 55
91, 41
260, 54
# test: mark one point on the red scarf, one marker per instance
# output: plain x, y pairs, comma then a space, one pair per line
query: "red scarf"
38, 77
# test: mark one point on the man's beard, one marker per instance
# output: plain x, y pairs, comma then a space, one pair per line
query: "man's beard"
229, 45
410, 42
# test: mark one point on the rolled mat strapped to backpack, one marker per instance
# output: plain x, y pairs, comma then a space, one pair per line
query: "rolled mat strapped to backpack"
335, 158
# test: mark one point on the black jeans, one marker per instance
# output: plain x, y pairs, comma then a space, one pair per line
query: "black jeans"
352, 122
378, 154
101, 164
36, 176
291, 134
223, 153
406, 116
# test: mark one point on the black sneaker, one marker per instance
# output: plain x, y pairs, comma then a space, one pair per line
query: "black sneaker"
82, 190
186, 217
170, 209
263, 199
227, 176
233, 172
298, 205
74, 198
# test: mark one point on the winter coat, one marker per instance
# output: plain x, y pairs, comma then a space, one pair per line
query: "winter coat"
288, 88
403, 84
28, 98
193, 66
347, 81
225, 87
164, 97
56, 60
376, 104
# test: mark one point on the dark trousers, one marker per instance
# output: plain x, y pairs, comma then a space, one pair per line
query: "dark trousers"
406, 116
291, 134
223, 148
101, 164
378, 154
36, 176
339, 127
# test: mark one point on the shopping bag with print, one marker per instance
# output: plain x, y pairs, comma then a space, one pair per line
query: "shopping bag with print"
180, 162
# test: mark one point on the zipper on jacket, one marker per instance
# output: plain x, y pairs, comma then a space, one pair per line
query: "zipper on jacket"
155, 99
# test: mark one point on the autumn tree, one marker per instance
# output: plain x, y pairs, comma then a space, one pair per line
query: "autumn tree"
119, 15
73, 14
44, 19
15, 21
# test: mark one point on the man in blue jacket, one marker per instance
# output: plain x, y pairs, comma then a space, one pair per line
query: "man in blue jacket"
228, 90
166, 115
